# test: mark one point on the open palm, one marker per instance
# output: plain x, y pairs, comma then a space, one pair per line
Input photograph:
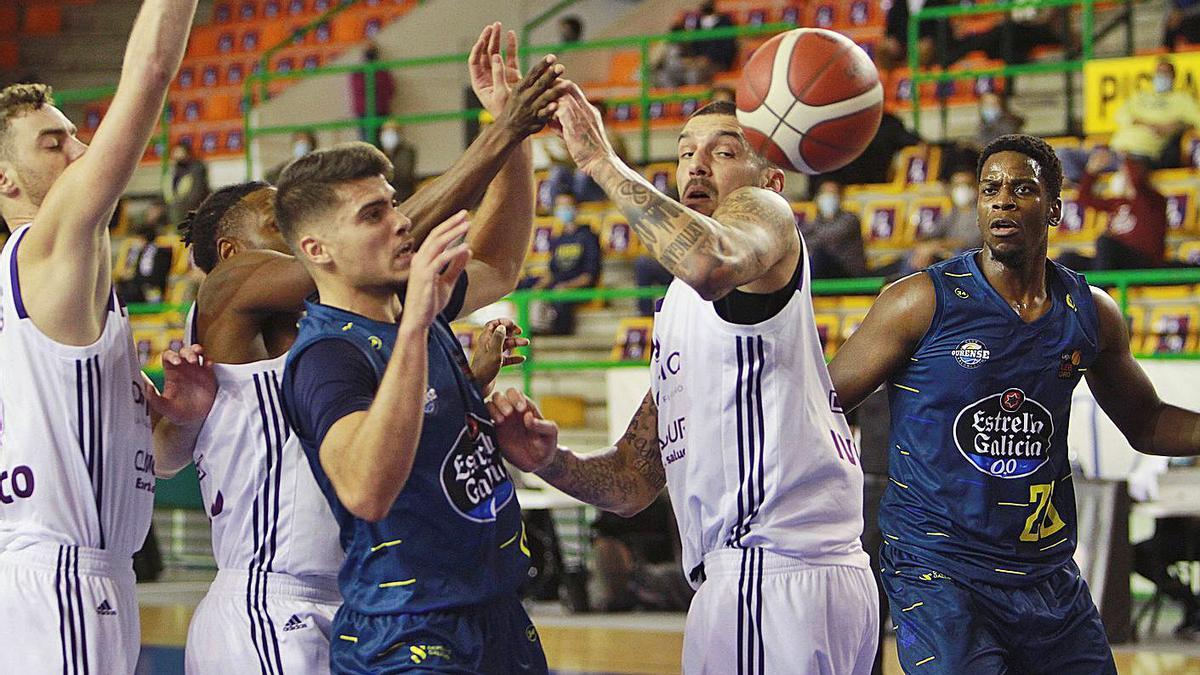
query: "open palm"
493, 73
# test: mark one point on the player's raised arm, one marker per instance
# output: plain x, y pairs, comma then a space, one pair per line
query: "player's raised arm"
752, 230
624, 478
64, 265
520, 106
886, 339
1128, 397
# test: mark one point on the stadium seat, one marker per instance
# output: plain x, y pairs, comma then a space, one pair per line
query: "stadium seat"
1172, 329
923, 213
544, 230
10, 20
827, 329
42, 18
632, 341
917, 164
617, 240
1181, 209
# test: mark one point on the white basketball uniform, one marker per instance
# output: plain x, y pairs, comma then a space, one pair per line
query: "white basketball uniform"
274, 537
767, 491
76, 491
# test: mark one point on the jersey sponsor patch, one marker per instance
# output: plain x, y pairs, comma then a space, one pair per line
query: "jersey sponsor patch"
971, 353
473, 477
1006, 435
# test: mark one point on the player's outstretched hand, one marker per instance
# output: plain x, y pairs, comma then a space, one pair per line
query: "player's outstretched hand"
435, 269
534, 100
494, 73
189, 387
493, 351
582, 129
527, 440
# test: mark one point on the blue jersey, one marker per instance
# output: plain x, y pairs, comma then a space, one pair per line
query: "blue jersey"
454, 536
980, 484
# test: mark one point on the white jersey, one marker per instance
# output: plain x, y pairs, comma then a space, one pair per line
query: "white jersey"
76, 460
756, 448
266, 510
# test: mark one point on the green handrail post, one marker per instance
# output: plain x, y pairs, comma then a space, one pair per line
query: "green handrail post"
522, 303
644, 56
370, 111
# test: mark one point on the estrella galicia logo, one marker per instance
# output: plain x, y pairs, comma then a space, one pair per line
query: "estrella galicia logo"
1006, 435
971, 353
473, 477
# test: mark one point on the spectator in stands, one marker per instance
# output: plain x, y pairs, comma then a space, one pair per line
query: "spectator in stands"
570, 29
995, 119
1137, 216
834, 237
303, 142
187, 184
1182, 23
892, 52
385, 89
649, 272
637, 563
574, 263
403, 156
952, 232
697, 62
1149, 125
1175, 539
566, 177
875, 163
148, 266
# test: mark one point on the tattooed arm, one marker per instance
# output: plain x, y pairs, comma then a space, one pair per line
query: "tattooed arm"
748, 235
624, 478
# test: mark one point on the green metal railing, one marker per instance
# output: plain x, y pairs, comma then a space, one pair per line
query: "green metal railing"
1067, 67
259, 81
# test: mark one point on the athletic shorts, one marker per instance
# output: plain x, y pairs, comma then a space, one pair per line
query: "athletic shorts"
68, 611
760, 612
262, 622
494, 638
946, 626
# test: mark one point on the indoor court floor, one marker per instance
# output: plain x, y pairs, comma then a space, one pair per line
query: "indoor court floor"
590, 644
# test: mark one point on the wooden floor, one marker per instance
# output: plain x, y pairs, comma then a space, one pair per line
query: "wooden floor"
606, 648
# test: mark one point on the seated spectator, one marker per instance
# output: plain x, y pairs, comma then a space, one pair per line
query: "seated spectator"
1182, 23
187, 184
303, 142
1014, 39
1149, 125
950, 234
565, 177
385, 90
1137, 217
574, 263
697, 62
834, 237
149, 266
403, 156
995, 119
570, 29
637, 565
875, 163
1175, 539
649, 272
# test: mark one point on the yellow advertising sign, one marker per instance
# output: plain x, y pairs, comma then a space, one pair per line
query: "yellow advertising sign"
1107, 83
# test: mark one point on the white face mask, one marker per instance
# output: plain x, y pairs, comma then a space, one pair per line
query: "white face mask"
300, 149
1118, 183
828, 203
389, 139
963, 196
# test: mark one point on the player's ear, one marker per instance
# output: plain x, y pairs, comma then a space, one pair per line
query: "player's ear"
1054, 215
8, 182
227, 247
314, 249
773, 178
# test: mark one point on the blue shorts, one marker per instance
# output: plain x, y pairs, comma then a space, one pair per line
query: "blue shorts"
497, 637
952, 627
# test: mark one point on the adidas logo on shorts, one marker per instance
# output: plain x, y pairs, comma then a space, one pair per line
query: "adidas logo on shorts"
105, 609
294, 623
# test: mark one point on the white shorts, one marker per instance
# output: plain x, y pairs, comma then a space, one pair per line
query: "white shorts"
262, 622
68, 611
760, 612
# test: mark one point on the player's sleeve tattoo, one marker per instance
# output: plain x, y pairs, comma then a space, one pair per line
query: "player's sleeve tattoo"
625, 478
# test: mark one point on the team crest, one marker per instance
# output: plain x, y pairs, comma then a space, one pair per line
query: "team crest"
971, 353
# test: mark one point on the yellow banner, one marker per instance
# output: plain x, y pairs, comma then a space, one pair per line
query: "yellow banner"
1107, 83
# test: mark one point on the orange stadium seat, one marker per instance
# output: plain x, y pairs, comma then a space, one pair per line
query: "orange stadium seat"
10, 53
42, 18
623, 67
9, 20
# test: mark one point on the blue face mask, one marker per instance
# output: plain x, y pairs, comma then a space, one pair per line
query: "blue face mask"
990, 115
1163, 83
566, 214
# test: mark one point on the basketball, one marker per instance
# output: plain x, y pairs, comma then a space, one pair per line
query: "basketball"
810, 100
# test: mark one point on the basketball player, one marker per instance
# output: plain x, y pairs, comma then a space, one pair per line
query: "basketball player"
740, 420
395, 429
981, 353
76, 462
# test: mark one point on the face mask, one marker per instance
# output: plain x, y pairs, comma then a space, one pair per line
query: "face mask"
963, 196
1163, 83
389, 139
828, 204
1118, 183
990, 115
300, 149
566, 214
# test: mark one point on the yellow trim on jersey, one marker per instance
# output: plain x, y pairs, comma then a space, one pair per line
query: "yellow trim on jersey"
1020, 574
904, 452
898, 482
956, 276
937, 534
1065, 478
913, 360
924, 661
891, 536
348, 638
391, 584
510, 541
1010, 504
915, 391
914, 606
1047, 548
1081, 370
386, 544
